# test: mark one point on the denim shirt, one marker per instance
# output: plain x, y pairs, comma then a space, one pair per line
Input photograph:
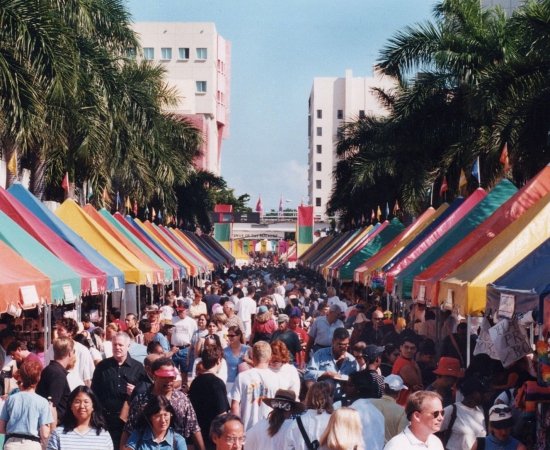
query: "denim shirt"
323, 361
147, 442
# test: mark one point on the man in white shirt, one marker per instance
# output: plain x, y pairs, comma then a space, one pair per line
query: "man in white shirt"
184, 328
253, 385
246, 310
280, 288
424, 409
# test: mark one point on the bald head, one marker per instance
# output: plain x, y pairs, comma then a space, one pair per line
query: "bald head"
377, 318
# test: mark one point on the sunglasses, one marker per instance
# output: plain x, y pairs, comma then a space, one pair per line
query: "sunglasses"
436, 414
231, 335
504, 409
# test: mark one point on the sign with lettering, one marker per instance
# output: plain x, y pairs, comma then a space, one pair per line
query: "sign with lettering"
484, 342
506, 307
510, 341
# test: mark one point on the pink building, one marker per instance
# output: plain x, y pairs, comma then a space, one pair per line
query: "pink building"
198, 64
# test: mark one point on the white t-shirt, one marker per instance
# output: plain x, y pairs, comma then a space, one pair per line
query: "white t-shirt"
245, 308
84, 366
288, 378
258, 438
166, 312
333, 300
469, 425
222, 373
407, 440
183, 331
249, 388
314, 425
372, 422
279, 300
281, 290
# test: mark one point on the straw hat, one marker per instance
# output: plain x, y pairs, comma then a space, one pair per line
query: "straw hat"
286, 400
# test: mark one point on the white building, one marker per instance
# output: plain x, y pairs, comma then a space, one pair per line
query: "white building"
198, 64
333, 101
508, 5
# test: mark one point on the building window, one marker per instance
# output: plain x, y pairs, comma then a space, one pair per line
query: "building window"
319, 113
201, 87
166, 53
318, 166
319, 149
317, 201
308, 125
183, 53
319, 131
362, 114
201, 53
318, 184
340, 114
149, 53
339, 134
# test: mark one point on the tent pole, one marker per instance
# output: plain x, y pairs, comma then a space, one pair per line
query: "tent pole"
469, 322
104, 310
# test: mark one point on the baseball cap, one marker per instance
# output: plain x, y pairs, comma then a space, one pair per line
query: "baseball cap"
282, 318
372, 351
262, 309
182, 305
395, 382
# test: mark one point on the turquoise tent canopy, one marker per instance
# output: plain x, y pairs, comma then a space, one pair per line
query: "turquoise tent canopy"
63, 278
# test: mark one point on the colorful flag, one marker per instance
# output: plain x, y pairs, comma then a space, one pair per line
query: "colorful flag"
135, 207
304, 228
90, 190
146, 211
12, 165
222, 234
463, 181
65, 182
444, 186
476, 171
159, 215
395, 208
372, 216
153, 214
302, 201
245, 246
128, 204
281, 214
387, 210
259, 206
504, 157
378, 213
263, 247
117, 199
105, 195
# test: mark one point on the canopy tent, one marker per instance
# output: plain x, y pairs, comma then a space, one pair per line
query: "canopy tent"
158, 272
196, 267
179, 268
238, 252
312, 248
316, 260
215, 245
17, 274
382, 239
134, 270
524, 199
166, 268
480, 212
405, 259
189, 268
115, 277
61, 276
199, 250
362, 273
469, 281
347, 249
94, 280
527, 282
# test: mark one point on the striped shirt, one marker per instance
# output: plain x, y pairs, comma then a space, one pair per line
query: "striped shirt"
59, 440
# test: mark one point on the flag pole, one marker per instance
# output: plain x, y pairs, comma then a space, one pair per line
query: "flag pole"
432, 195
478, 172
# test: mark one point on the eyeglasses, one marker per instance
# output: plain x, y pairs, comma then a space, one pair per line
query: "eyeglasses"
342, 345
235, 440
436, 414
504, 409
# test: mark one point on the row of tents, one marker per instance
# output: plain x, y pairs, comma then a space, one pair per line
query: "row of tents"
475, 254
57, 257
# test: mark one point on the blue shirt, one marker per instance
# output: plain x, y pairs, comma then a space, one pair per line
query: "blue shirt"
25, 413
321, 331
161, 339
323, 361
138, 351
147, 442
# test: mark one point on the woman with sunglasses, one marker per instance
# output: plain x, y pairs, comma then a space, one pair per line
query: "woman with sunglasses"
83, 425
155, 428
211, 340
500, 424
234, 354
465, 421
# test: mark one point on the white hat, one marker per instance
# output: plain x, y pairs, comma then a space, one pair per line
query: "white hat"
395, 382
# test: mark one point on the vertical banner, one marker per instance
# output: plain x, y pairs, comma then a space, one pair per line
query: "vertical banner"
263, 247
304, 229
222, 234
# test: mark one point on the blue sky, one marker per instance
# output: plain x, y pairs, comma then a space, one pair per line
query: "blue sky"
278, 47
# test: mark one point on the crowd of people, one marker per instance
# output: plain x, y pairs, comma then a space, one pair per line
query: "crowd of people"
265, 358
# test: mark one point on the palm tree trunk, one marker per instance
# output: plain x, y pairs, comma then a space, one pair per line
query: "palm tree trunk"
38, 173
8, 147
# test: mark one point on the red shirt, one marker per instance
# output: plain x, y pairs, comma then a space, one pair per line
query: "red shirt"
302, 334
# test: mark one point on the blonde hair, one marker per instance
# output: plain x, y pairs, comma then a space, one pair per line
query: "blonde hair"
344, 431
